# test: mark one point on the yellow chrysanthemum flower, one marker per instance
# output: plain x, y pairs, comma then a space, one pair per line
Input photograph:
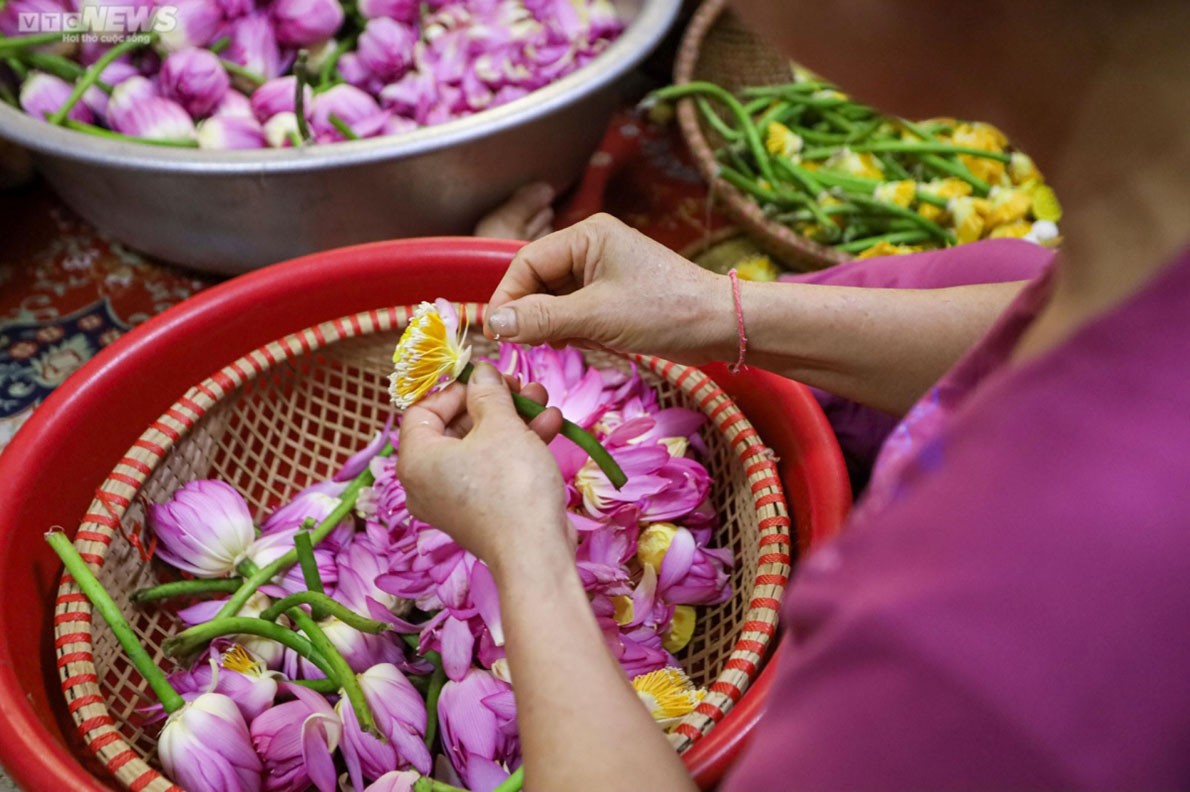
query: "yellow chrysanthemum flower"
430, 354
756, 268
781, 141
653, 543
668, 694
681, 628
943, 188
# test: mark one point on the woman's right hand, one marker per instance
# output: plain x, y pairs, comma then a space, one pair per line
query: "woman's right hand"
600, 283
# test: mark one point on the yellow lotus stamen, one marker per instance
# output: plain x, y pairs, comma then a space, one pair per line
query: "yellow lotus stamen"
781, 141
237, 658
624, 609
653, 543
429, 355
681, 628
901, 193
668, 694
886, 248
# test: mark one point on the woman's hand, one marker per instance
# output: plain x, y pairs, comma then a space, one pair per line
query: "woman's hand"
600, 283
472, 467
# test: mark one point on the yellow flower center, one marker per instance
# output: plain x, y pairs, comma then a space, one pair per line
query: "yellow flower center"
426, 357
681, 628
653, 543
667, 693
237, 658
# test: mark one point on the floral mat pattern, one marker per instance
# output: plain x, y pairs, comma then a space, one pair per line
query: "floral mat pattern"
67, 291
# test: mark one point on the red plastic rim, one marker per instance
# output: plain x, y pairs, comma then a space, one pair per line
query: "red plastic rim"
49, 472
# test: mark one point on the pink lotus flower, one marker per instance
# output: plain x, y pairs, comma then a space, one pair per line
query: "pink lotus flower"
281, 130
42, 94
254, 46
395, 781
156, 119
413, 96
361, 651
268, 652
197, 24
277, 96
351, 106
400, 715
205, 745
659, 487
269, 547
10, 13
228, 132
195, 79
692, 575
302, 23
234, 105
114, 74
230, 669
360, 460
386, 48
400, 10
296, 741
205, 528
479, 732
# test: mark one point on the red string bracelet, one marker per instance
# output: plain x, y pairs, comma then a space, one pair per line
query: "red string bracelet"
739, 319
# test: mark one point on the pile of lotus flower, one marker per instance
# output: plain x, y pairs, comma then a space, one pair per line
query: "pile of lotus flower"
224, 74
358, 642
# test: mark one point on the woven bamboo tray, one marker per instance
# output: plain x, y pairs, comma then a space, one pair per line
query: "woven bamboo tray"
718, 48
290, 413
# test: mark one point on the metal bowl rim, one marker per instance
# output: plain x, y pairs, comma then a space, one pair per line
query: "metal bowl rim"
634, 45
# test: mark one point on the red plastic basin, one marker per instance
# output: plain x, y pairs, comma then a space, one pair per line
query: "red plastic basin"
49, 472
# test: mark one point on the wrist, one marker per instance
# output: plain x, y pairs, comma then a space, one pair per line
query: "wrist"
524, 553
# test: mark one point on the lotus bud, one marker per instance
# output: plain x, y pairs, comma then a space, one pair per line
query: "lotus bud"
195, 24
353, 107
195, 79
276, 96
279, 131
386, 48
127, 95
208, 739
400, 715
228, 132
254, 46
354, 72
205, 528
234, 104
400, 10
157, 119
302, 23
235, 9
42, 95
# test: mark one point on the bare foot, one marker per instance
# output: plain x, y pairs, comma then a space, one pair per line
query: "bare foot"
526, 216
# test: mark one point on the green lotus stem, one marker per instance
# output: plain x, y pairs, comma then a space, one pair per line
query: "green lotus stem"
343, 127
896, 238
327, 72
327, 685
340, 670
34, 40
266, 573
92, 75
530, 409
200, 634
220, 44
299, 99
427, 784
17, 67
715, 122
185, 588
329, 606
943, 165
908, 214
514, 783
91, 129
743, 121
295, 139
912, 147
306, 560
236, 70
103, 602
59, 67
437, 680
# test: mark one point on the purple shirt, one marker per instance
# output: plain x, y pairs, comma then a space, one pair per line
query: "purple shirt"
1009, 607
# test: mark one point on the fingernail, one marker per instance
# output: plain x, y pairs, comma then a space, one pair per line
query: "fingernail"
485, 375
502, 322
